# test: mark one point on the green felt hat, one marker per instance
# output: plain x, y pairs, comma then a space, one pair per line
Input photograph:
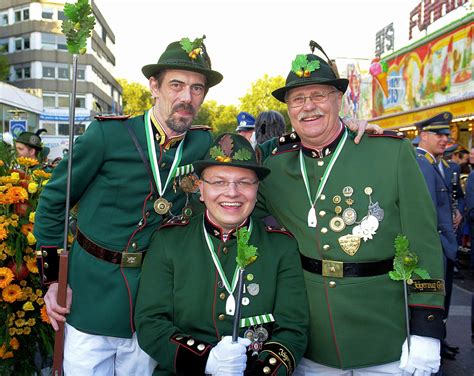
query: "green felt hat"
311, 70
233, 150
185, 55
31, 139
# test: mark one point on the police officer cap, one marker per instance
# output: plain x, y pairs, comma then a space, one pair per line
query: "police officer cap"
437, 124
245, 121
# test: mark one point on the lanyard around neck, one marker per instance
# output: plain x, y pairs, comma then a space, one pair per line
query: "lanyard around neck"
312, 212
154, 160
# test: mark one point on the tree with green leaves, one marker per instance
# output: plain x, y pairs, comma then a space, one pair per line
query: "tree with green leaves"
136, 97
4, 68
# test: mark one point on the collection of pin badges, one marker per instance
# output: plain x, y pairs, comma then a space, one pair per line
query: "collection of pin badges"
363, 229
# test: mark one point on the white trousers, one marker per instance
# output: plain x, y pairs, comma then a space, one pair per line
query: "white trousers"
94, 355
310, 368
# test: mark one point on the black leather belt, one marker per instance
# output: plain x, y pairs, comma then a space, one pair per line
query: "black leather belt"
126, 259
339, 269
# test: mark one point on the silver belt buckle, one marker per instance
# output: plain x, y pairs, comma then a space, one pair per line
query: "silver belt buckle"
131, 260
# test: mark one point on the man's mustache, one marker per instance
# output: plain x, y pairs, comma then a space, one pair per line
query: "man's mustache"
185, 107
304, 114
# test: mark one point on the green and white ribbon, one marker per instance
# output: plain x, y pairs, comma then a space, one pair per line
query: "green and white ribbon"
256, 320
184, 170
154, 160
230, 287
312, 221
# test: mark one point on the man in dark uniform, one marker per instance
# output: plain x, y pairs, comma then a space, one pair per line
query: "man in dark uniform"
246, 126
345, 204
434, 133
186, 300
127, 176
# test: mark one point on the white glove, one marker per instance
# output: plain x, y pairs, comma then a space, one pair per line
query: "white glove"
228, 358
424, 357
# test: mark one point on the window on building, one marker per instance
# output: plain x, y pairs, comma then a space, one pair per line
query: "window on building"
22, 72
47, 14
61, 16
80, 102
22, 14
49, 100
63, 129
81, 73
63, 100
22, 43
63, 72
48, 72
48, 41
3, 46
3, 19
50, 128
61, 42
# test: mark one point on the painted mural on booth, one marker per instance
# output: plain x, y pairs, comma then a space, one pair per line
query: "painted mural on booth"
439, 71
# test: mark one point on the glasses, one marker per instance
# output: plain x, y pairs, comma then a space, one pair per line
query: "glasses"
300, 100
222, 185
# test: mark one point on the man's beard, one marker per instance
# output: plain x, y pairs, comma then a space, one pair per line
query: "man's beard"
181, 124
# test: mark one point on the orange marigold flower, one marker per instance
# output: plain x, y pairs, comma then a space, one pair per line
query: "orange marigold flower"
14, 344
6, 276
8, 355
2, 163
3, 348
32, 266
41, 174
26, 228
11, 293
3, 233
44, 315
27, 162
17, 194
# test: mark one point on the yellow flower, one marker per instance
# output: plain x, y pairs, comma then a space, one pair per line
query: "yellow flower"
19, 332
20, 314
3, 233
31, 217
3, 257
14, 344
32, 187
27, 330
6, 276
39, 292
15, 177
11, 293
31, 238
14, 217
12, 331
31, 322
45, 182
20, 322
40, 301
32, 266
41, 174
2, 163
28, 306
23, 283
14, 223
27, 162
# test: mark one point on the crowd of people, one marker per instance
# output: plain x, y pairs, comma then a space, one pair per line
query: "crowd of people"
164, 211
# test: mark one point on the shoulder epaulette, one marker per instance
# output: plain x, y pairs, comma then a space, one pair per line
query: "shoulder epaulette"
111, 117
390, 134
175, 221
280, 230
200, 127
287, 142
446, 164
426, 156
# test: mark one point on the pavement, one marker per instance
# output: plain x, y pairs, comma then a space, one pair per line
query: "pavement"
460, 325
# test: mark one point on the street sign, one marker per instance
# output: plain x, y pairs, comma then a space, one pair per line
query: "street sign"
17, 127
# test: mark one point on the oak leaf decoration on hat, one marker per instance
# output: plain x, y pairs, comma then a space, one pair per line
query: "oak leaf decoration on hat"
302, 67
223, 153
193, 48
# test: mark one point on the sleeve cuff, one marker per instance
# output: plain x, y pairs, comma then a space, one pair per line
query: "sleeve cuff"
273, 359
47, 260
191, 355
427, 322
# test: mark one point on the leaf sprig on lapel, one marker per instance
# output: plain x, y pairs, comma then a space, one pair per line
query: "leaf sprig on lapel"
78, 25
246, 254
405, 262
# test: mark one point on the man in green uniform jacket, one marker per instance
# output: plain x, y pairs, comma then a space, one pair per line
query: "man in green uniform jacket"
123, 192
345, 204
186, 301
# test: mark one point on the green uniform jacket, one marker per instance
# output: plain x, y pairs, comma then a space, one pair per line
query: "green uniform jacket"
113, 190
358, 321
181, 302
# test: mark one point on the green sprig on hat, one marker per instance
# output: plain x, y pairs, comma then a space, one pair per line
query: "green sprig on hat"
302, 67
223, 153
78, 25
193, 48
